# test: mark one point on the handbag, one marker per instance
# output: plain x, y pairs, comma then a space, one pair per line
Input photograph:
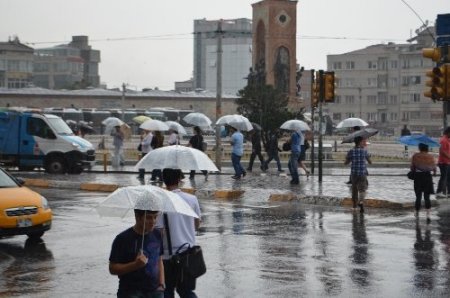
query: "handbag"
411, 175
190, 262
286, 146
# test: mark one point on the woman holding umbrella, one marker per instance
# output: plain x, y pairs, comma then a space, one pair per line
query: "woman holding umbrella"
196, 141
422, 164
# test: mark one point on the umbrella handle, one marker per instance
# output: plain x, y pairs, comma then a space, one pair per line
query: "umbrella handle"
167, 230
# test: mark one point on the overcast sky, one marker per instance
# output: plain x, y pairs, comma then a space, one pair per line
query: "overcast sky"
162, 53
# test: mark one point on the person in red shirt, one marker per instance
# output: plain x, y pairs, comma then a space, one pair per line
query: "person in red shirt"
444, 163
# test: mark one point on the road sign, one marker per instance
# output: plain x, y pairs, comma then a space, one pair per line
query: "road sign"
443, 24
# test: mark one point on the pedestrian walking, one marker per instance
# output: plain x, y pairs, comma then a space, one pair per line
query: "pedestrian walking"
118, 137
358, 157
140, 272
237, 143
444, 164
405, 132
255, 136
196, 141
422, 164
145, 146
272, 151
301, 160
157, 142
174, 138
181, 230
295, 141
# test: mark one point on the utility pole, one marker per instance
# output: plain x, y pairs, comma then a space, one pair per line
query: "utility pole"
219, 94
123, 101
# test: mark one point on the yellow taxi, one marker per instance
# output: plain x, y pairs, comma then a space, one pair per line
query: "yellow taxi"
22, 211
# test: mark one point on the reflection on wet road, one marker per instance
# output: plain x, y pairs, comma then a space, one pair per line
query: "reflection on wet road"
252, 249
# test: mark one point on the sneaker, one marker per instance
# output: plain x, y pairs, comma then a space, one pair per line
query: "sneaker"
280, 171
235, 177
244, 174
348, 182
294, 182
428, 220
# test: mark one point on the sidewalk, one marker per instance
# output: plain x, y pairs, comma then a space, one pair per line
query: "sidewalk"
387, 184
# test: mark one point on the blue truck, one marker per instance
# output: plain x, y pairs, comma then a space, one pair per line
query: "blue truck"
31, 139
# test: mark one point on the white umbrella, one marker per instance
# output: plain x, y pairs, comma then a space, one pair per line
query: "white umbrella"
351, 122
124, 200
177, 157
153, 125
297, 125
176, 126
237, 121
112, 122
198, 119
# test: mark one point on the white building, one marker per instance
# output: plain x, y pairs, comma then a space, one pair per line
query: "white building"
236, 54
384, 84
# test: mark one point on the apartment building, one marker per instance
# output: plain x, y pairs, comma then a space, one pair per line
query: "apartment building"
384, 84
16, 64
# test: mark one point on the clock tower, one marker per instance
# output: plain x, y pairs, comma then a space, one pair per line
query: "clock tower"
274, 43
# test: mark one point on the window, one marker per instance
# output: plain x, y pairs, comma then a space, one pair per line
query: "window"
372, 82
394, 64
350, 82
405, 116
350, 64
393, 99
393, 82
371, 99
372, 65
415, 97
372, 116
337, 65
37, 127
382, 98
414, 115
349, 99
337, 99
350, 115
392, 116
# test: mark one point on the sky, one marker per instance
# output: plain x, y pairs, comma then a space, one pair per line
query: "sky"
149, 43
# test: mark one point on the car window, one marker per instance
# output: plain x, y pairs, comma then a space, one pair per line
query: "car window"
6, 181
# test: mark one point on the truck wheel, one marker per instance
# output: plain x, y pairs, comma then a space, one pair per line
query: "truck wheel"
56, 165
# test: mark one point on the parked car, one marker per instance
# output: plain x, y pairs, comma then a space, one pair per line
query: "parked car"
22, 211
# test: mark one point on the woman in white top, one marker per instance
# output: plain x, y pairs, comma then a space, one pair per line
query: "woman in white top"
146, 140
174, 138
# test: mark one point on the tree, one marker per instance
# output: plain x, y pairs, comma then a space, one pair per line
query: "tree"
263, 104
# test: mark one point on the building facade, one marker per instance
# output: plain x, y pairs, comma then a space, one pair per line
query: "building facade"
16, 64
236, 54
71, 66
384, 84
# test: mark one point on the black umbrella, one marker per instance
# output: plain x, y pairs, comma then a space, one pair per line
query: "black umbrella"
364, 133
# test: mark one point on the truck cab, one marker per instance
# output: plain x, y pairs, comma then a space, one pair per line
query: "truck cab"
32, 139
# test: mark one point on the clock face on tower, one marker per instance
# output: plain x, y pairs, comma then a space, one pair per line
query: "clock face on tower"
282, 18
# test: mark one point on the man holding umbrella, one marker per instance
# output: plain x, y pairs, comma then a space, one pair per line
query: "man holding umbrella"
296, 140
237, 141
136, 258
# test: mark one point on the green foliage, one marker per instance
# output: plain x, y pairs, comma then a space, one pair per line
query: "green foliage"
265, 105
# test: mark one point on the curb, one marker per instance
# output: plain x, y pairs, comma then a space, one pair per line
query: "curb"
230, 194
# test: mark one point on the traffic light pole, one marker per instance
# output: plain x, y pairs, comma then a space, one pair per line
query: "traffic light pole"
312, 122
321, 97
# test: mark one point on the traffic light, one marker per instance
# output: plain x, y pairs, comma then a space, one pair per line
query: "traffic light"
446, 74
328, 81
437, 82
432, 53
315, 95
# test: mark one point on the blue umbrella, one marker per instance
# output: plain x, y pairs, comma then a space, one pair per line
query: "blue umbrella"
415, 140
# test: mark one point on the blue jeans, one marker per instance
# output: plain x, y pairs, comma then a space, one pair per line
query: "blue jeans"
236, 161
293, 166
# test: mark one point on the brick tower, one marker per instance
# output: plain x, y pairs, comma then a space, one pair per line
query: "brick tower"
274, 43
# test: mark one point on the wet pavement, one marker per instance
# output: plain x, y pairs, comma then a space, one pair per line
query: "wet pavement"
252, 248
385, 183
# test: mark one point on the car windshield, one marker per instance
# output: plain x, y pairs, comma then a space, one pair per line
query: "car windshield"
60, 127
6, 181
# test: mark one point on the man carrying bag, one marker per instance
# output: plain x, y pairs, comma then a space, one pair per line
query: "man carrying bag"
180, 238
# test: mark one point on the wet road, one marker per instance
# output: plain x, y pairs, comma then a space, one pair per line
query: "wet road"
252, 249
